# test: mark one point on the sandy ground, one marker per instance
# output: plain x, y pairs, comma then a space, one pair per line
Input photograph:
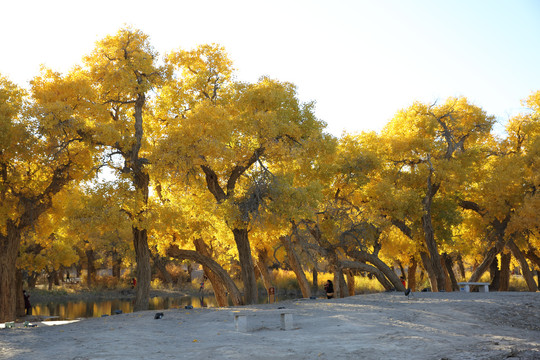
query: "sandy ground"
457, 325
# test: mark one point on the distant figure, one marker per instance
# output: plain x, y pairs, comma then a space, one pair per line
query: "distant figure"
27, 305
67, 276
329, 289
402, 278
202, 283
133, 283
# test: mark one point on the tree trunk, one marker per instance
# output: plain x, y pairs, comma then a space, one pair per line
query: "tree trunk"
429, 236
9, 248
32, 279
527, 274
488, 259
236, 297
315, 285
246, 265
426, 262
450, 269
21, 311
143, 271
91, 269
295, 264
217, 285
161, 265
350, 282
411, 274
505, 271
116, 265
339, 284
368, 268
262, 264
495, 275
364, 256
461, 267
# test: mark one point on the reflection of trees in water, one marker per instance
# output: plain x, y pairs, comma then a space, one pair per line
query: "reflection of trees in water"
87, 309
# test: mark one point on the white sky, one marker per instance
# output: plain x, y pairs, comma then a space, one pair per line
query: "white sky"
361, 61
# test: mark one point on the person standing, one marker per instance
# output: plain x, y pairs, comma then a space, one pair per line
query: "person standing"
329, 289
27, 305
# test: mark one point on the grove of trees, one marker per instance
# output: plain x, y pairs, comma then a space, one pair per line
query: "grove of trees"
149, 158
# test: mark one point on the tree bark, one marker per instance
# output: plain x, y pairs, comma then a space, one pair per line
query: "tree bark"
527, 274
488, 259
9, 248
429, 235
426, 262
294, 262
315, 284
217, 285
161, 265
365, 257
505, 271
21, 311
236, 296
246, 265
262, 264
344, 264
495, 275
411, 274
449, 268
116, 264
143, 271
350, 282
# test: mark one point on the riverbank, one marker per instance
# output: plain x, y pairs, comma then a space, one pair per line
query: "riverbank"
458, 325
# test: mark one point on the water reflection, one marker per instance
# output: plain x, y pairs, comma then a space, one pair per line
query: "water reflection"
85, 309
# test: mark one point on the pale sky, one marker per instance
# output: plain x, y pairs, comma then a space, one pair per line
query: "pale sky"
360, 61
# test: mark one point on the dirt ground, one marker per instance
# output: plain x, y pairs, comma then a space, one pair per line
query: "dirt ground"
453, 326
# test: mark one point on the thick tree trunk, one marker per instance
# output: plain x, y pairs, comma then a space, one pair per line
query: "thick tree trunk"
296, 266
429, 236
246, 265
527, 274
426, 262
235, 294
411, 274
143, 271
495, 275
350, 282
217, 285
9, 247
340, 286
262, 265
488, 259
505, 271
449, 268
21, 311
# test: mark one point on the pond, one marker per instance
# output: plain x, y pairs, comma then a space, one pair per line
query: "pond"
71, 310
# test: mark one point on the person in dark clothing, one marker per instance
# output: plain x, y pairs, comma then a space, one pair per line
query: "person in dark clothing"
27, 305
329, 289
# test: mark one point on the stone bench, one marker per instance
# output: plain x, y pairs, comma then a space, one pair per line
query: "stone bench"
241, 318
482, 287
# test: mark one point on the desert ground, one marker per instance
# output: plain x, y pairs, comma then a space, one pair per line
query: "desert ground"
456, 326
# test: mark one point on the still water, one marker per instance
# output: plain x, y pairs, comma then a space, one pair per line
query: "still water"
89, 308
